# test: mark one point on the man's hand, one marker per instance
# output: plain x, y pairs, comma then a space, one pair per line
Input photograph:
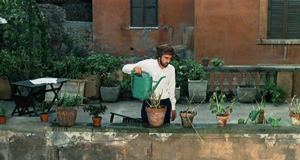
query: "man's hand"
138, 70
174, 115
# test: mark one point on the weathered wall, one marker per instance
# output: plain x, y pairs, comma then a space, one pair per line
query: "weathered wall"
229, 30
68, 37
110, 16
132, 141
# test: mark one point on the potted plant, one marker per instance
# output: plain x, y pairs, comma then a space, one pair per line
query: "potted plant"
197, 81
294, 111
247, 92
95, 111
272, 92
205, 61
180, 76
110, 88
125, 85
3, 112
257, 115
188, 115
155, 111
43, 108
229, 95
217, 62
67, 108
217, 107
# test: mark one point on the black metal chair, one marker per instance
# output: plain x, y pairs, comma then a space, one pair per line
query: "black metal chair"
126, 119
20, 95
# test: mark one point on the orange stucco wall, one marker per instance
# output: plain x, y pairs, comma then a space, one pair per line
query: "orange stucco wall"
229, 29
110, 15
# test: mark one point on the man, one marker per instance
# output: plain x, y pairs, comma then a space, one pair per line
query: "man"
157, 69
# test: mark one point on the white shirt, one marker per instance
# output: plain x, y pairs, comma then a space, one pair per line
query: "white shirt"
166, 85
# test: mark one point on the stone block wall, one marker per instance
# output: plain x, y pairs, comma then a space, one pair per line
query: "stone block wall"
136, 142
68, 37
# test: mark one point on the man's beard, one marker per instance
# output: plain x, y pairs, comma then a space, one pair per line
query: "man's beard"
163, 64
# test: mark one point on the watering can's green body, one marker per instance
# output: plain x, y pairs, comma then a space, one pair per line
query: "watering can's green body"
141, 85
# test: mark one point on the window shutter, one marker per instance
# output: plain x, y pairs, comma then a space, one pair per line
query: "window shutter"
276, 19
137, 14
151, 10
293, 19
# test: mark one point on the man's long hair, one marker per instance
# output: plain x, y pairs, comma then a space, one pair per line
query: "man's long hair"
164, 49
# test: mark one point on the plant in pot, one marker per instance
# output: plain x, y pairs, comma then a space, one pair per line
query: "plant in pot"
180, 76
125, 85
95, 111
110, 88
217, 107
43, 108
67, 108
188, 115
197, 81
294, 111
3, 113
246, 93
257, 115
216, 62
155, 111
272, 92
205, 61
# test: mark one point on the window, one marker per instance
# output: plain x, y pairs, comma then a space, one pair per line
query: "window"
144, 13
283, 19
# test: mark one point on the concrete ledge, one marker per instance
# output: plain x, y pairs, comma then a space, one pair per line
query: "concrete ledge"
166, 128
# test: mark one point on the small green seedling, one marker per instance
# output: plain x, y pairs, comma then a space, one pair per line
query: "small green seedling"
274, 122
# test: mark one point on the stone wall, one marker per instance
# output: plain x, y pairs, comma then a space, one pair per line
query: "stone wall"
135, 141
67, 37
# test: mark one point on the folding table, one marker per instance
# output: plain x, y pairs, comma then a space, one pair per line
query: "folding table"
32, 86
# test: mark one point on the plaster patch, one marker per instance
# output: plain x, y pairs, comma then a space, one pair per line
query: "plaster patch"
270, 140
246, 135
161, 136
121, 140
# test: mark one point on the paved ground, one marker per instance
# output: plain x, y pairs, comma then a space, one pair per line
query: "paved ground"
132, 109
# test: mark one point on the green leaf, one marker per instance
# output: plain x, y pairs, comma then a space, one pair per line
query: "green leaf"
241, 121
253, 115
276, 122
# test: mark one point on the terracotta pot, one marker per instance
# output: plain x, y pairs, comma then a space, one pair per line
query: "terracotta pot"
156, 116
66, 116
97, 121
187, 118
44, 117
295, 118
3, 119
222, 120
261, 116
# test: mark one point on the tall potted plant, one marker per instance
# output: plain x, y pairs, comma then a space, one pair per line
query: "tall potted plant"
67, 109
110, 88
180, 76
155, 111
3, 112
217, 107
95, 111
197, 81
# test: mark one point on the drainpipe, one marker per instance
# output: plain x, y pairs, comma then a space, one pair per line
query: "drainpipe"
170, 29
285, 52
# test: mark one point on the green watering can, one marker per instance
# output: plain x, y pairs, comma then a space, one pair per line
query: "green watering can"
141, 85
